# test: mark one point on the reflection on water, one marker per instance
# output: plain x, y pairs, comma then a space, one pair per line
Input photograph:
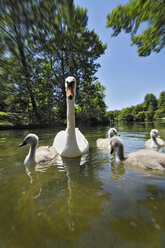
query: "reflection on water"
117, 170
86, 201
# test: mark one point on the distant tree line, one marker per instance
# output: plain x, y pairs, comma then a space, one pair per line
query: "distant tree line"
41, 43
152, 108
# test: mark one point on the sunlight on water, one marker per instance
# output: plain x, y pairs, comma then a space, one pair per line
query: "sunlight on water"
88, 201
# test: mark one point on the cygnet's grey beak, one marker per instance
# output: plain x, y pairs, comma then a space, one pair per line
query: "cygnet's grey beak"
23, 143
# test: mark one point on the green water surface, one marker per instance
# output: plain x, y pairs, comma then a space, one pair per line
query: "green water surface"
90, 201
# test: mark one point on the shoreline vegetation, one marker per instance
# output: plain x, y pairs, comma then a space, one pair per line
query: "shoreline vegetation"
150, 110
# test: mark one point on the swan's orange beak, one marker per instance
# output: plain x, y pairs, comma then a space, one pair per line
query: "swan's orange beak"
70, 92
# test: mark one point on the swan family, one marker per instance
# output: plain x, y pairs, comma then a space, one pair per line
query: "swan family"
72, 143
68, 143
145, 158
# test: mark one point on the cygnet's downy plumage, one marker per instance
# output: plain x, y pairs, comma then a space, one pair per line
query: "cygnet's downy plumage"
105, 143
155, 141
147, 159
37, 155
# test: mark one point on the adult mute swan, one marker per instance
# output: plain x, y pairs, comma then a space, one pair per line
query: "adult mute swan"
155, 141
37, 155
146, 159
71, 142
105, 143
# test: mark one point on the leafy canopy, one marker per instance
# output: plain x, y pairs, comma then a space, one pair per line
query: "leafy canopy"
41, 43
135, 12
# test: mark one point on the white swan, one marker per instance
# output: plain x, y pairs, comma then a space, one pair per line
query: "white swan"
105, 143
37, 155
71, 142
147, 159
155, 141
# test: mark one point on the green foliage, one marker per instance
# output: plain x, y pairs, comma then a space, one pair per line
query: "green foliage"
7, 118
41, 43
160, 112
150, 101
91, 107
113, 115
149, 110
140, 116
161, 101
149, 115
126, 114
129, 18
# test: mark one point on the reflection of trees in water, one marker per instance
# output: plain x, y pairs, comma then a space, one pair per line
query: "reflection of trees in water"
117, 170
59, 203
144, 225
85, 197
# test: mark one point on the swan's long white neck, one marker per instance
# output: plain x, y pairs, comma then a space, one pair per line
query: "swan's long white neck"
70, 115
71, 147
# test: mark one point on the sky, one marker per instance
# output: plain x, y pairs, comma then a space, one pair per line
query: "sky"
126, 76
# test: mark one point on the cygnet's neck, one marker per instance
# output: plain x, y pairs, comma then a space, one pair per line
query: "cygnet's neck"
154, 141
120, 152
30, 158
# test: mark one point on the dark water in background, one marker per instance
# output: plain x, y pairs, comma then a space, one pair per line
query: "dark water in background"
80, 202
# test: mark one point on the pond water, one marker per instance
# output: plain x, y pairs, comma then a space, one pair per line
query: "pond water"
80, 202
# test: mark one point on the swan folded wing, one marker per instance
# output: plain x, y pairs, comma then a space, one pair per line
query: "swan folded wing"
147, 159
59, 141
82, 142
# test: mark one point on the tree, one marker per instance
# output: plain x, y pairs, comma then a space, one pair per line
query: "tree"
71, 50
6, 93
113, 115
150, 101
16, 58
160, 112
91, 107
129, 18
149, 114
126, 114
43, 42
140, 116
161, 100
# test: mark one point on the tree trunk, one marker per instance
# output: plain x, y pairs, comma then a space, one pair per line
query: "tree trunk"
26, 73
